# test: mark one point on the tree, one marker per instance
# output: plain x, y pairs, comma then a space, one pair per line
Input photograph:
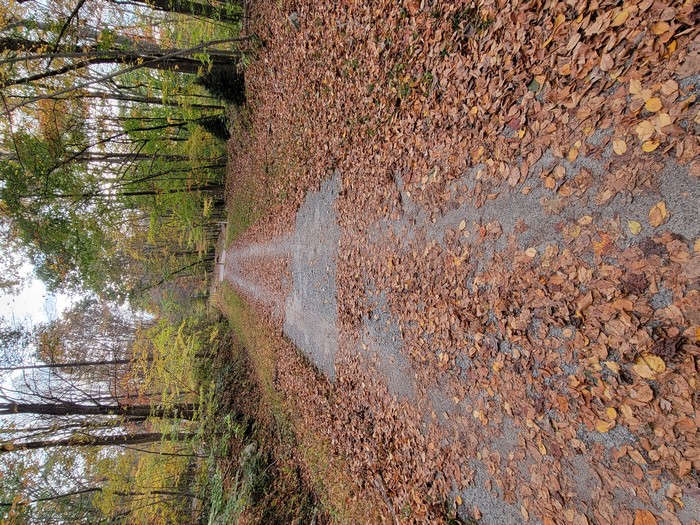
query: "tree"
87, 440
124, 412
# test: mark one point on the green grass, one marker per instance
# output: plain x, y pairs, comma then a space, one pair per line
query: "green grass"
291, 436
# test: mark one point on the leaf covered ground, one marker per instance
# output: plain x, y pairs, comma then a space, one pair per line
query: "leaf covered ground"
518, 201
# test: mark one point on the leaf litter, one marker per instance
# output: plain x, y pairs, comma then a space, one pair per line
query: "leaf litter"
556, 332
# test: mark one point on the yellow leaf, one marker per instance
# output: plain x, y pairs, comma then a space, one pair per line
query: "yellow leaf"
650, 145
559, 20
573, 154
620, 18
531, 252
644, 130
604, 426
653, 104
619, 146
658, 214
611, 413
644, 517
634, 227
541, 447
659, 28
612, 365
649, 366
585, 220
458, 499
462, 225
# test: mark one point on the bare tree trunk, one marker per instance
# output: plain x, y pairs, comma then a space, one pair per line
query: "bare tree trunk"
84, 440
132, 412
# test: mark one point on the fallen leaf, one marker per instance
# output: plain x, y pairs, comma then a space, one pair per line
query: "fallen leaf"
623, 304
612, 365
458, 500
649, 366
644, 517
658, 214
462, 225
585, 220
635, 87
605, 244
619, 146
659, 28
413, 7
644, 130
662, 120
650, 145
634, 227
604, 426
606, 62
653, 104
636, 456
620, 18
524, 512
531, 252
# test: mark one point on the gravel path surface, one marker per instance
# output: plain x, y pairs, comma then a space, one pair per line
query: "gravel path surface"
309, 311
502, 277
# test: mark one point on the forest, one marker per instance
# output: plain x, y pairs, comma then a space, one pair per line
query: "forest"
115, 116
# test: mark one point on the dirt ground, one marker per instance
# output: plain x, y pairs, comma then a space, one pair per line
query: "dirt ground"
481, 224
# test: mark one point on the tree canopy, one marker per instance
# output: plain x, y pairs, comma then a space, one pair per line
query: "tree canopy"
112, 164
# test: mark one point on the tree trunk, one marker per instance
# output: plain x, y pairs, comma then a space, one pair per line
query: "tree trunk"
83, 440
132, 412
155, 492
75, 364
186, 7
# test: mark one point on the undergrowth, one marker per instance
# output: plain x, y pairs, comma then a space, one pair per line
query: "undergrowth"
296, 446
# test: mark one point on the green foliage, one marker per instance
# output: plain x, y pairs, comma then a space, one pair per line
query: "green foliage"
117, 189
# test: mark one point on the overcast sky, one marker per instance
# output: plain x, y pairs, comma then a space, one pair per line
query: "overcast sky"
34, 303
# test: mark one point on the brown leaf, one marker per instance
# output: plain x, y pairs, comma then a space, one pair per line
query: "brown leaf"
667, 347
644, 517
658, 214
606, 62
413, 6
644, 130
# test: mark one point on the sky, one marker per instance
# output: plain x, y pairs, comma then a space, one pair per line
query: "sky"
34, 303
